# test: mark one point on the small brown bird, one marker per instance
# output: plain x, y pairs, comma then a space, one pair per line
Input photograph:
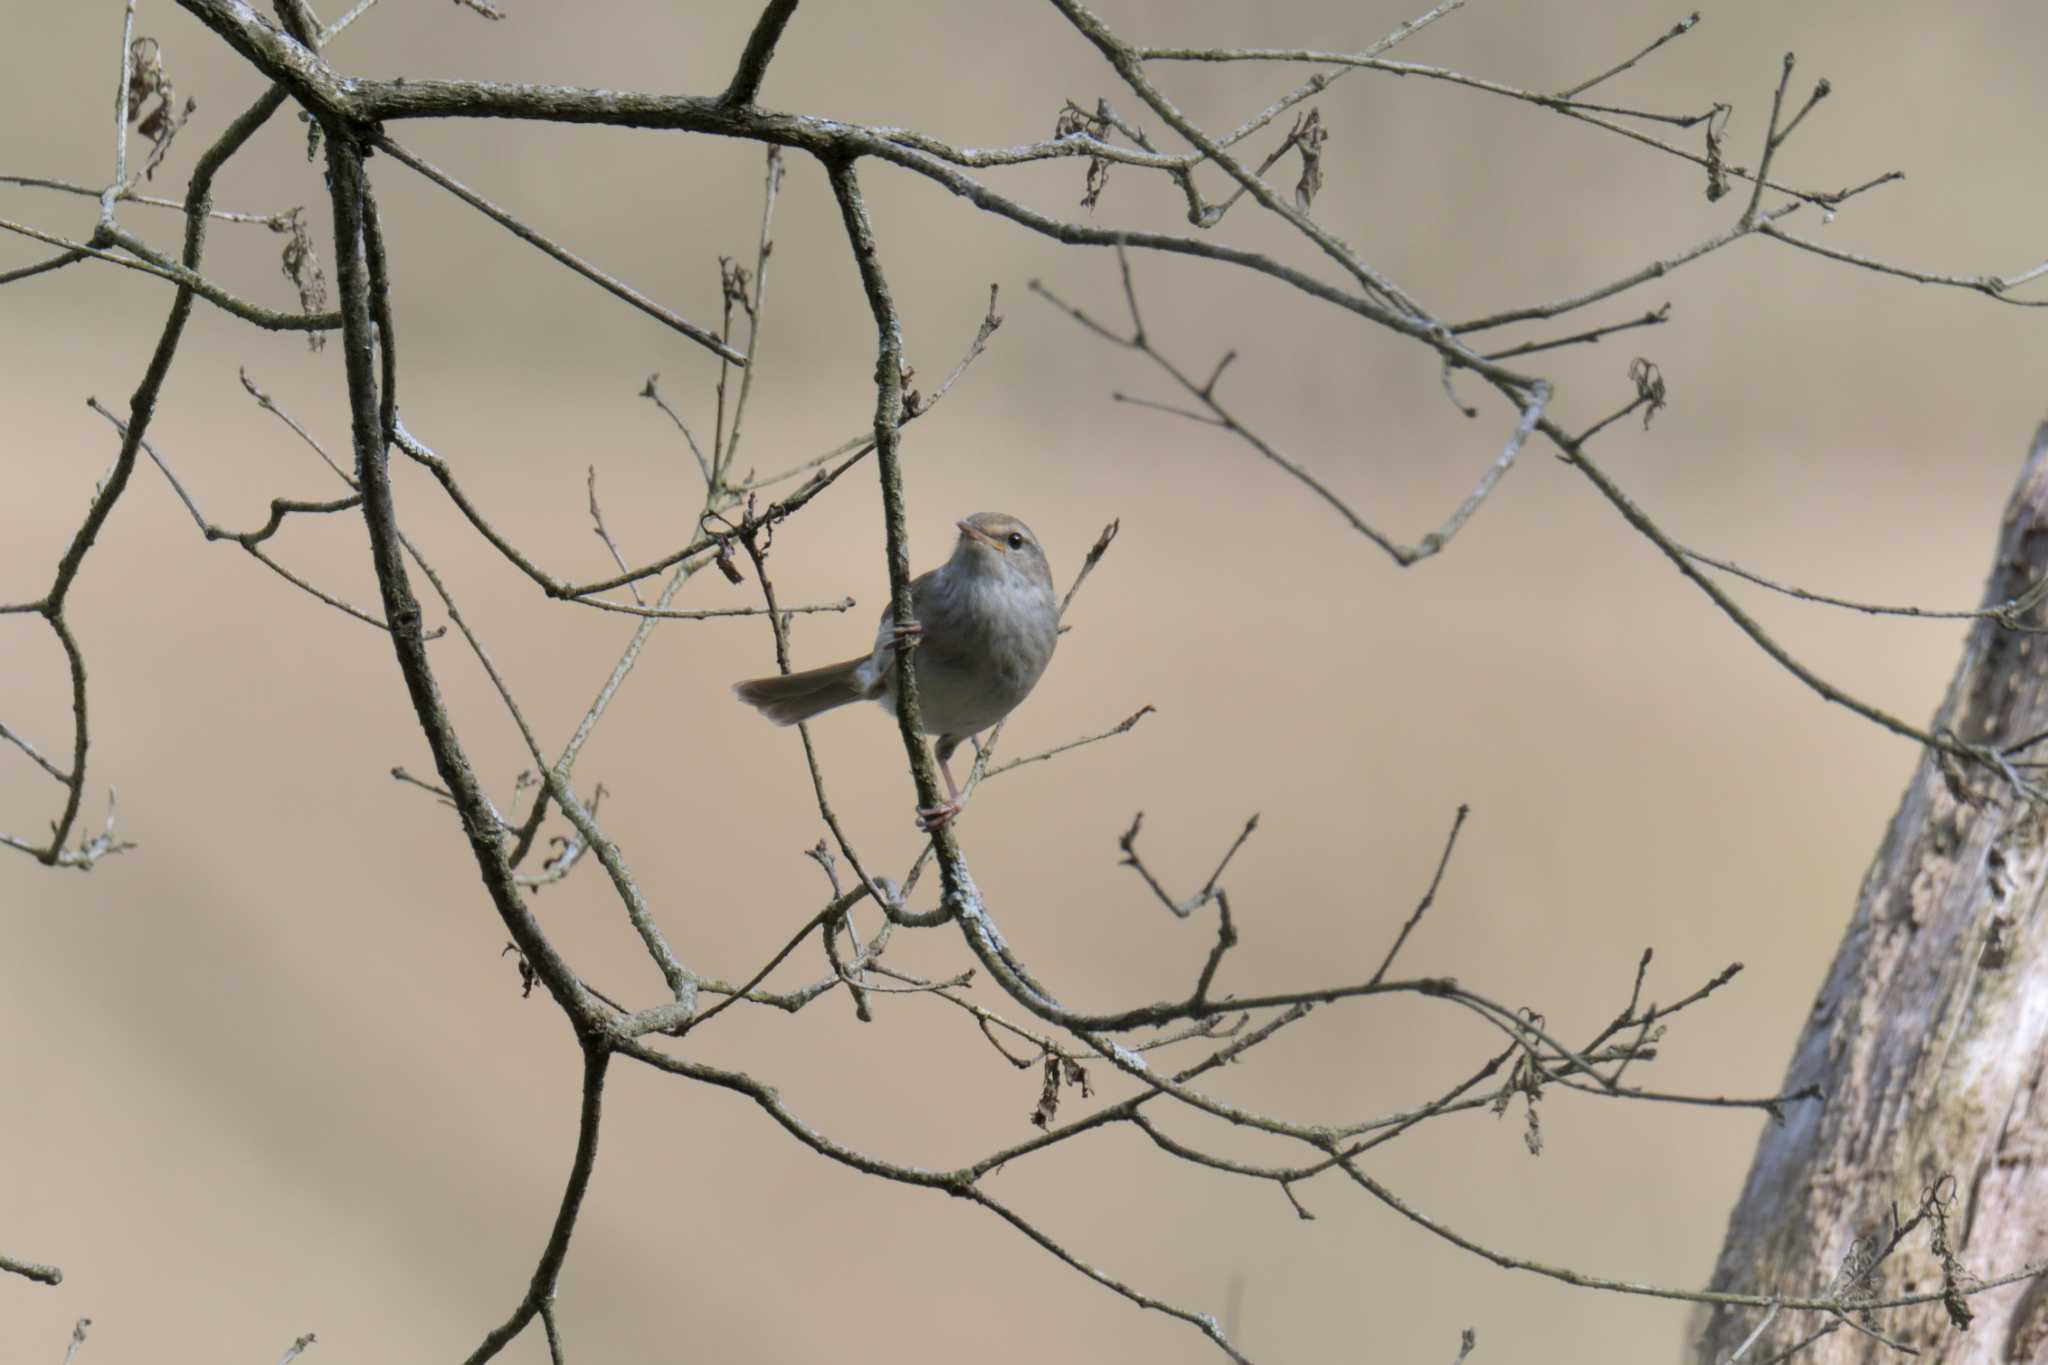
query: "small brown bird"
987, 621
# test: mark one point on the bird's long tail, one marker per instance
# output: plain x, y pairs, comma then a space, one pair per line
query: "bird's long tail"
789, 698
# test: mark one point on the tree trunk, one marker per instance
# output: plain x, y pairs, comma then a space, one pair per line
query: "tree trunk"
1927, 1042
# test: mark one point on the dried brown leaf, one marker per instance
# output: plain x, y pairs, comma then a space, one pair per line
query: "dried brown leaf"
1308, 136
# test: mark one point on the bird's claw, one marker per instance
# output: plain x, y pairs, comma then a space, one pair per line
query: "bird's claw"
932, 819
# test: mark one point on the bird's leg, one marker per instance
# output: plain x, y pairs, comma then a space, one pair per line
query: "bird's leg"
931, 819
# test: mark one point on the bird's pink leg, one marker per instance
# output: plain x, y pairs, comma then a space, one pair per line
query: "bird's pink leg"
932, 819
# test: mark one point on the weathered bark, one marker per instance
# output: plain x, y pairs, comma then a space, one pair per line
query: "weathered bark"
1927, 1040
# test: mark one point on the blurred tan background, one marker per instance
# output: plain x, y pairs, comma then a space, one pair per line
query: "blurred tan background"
268, 1073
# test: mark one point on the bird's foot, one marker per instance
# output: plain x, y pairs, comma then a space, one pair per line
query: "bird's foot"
932, 819
901, 636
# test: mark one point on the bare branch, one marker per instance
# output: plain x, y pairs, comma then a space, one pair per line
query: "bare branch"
372, 430
30, 1270
2006, 613
653, 395
1181, 909
610, 284
1654, 270
1655, 318
51, 606
252, 541
1991, 286
1677, 30
356, 11
182, 276
1573, 451
52, 769
1121, 727
1772, 139
715, 613
1428, 896
749, 534
351, 115
274, 221
597, 523
56, 262
1537, 397
760, 50
889, 411
125, 102
541, 1291
1558, 104
770, 191
693, 555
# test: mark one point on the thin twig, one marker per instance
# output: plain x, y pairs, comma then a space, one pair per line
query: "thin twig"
764, 247
1677, 30
1428, 896
252, 541
597, 522
123, 90
51, 606
716, 613
1121, 727
610, 284
276, 222
1532, 406
52, 769
185, 278
357, 11
1991, 286
2006, 613
652, 394
1655, 318
56, 262
1772, 140
541, 1290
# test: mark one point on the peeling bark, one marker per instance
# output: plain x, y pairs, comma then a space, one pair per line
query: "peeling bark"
1927, 1040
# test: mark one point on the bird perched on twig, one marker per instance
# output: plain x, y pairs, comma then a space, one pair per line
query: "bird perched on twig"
987, 621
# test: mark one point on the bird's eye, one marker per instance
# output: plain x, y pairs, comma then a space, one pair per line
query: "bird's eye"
1016, 540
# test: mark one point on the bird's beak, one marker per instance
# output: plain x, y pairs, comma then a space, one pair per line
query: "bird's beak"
973, 532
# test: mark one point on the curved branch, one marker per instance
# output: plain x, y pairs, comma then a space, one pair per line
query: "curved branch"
888, 440
354, 276
141, 408
540, 1292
